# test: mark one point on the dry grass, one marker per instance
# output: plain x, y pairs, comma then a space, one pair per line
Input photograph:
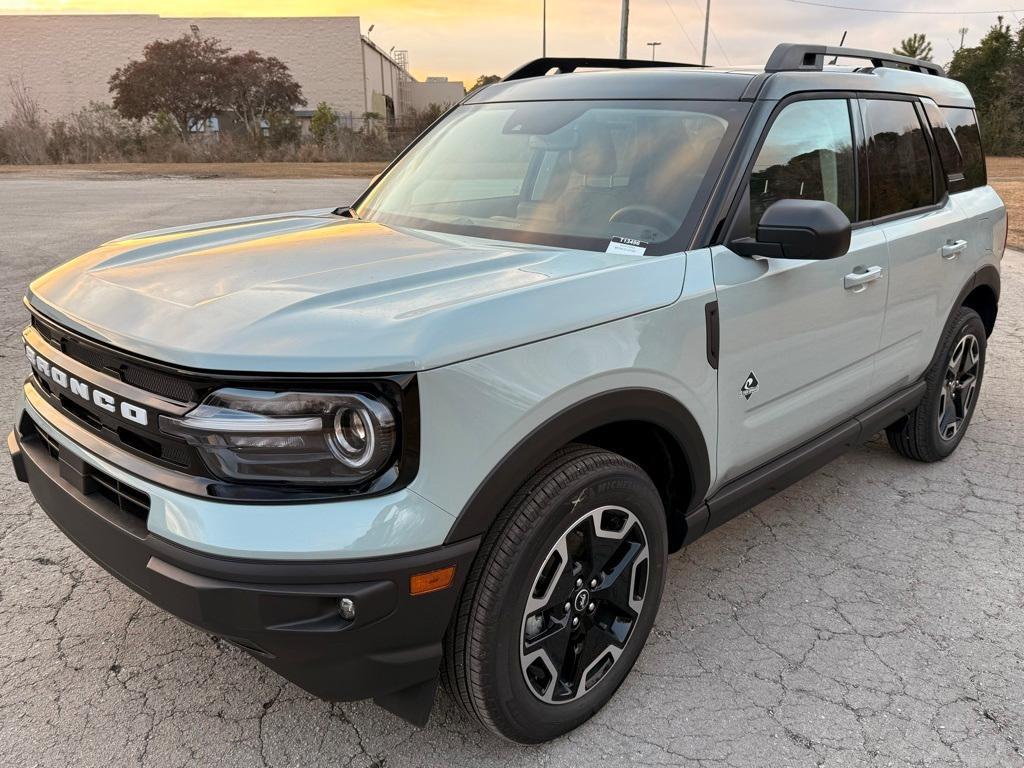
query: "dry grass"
205, 170
1006, 175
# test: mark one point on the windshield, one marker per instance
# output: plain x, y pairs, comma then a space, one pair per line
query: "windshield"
589, 174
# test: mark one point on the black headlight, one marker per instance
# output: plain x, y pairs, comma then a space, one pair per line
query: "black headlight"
299, 438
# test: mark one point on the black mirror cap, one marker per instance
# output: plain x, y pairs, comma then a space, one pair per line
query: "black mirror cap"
799, 229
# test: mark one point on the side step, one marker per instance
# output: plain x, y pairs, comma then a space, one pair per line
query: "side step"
759, 484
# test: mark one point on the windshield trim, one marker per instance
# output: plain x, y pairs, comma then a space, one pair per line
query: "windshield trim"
735, 116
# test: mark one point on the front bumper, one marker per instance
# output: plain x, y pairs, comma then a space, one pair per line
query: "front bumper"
285, 613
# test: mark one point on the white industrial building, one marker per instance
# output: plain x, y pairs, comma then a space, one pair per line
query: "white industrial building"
65, 61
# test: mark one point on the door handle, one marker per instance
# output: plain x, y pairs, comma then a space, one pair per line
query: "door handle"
858, 280
953, 248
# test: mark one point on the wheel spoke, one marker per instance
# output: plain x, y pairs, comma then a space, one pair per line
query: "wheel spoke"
590, 649
551, 575
957, 358
617, 587
947, 414
553, 642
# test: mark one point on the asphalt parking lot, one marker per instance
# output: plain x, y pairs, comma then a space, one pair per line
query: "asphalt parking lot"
871, 615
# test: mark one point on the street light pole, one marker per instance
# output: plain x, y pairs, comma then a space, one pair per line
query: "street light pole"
653, 46
707, 24
624, 29
544, 31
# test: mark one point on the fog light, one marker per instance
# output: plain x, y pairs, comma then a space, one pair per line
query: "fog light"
347, 608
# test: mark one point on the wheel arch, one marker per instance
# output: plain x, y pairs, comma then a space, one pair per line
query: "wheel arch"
982, 295
649, 427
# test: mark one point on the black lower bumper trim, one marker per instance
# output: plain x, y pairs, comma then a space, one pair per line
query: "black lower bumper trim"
283, 613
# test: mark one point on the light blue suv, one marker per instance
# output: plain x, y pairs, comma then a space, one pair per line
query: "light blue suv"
454, 430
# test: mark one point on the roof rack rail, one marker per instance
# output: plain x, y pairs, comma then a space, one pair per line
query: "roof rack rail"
796, 57
539, 67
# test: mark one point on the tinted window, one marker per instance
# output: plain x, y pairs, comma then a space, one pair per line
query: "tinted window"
964, 125
949, 152
808, 154
899, 165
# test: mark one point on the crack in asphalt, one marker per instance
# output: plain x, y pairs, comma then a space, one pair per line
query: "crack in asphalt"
871, 615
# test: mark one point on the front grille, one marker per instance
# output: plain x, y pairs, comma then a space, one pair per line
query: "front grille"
127, 499
129, 370
124, 496
157, 383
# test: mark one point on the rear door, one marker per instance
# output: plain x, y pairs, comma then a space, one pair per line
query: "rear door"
925, 231
798, 339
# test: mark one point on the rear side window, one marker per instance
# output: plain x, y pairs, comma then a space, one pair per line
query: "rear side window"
949, 152
964, 125
807, 155
899, 163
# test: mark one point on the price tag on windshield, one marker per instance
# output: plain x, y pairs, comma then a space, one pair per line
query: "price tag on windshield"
626, 246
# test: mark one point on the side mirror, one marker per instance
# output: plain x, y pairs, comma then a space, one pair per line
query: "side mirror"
798, 229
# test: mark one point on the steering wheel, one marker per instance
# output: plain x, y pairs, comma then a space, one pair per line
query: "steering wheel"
651, 216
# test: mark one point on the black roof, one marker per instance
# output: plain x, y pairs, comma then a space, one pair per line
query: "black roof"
792, 68
649, 83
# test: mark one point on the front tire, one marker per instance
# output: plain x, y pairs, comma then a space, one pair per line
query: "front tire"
561, 598
934, 429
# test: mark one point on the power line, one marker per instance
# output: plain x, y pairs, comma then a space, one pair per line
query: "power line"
680, 24
886, 10
712, 29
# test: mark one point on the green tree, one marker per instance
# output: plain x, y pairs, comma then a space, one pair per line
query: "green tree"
916, 47
324, 125
182, 79
257, 86
283, 129
994, 72
484, 80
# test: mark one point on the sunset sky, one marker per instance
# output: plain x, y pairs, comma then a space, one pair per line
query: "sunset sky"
466, 39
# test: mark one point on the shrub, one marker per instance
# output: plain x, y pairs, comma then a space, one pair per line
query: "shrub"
23, 135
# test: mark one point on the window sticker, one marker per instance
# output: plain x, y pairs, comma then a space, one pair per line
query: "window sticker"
626, 246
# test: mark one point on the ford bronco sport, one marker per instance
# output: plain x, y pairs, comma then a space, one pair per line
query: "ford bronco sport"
453, 430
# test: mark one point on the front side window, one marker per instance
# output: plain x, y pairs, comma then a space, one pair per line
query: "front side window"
575, 174
807, 155
899, 163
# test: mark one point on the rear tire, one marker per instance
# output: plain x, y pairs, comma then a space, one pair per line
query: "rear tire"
934, 429
527, 661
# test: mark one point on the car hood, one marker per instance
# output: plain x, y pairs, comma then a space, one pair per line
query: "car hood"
312, 292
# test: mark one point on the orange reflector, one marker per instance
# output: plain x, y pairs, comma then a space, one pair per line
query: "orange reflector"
431, 581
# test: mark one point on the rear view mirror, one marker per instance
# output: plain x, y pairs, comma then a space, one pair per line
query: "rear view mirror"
798, 229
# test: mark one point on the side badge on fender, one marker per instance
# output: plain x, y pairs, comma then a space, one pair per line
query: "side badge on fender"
749, 386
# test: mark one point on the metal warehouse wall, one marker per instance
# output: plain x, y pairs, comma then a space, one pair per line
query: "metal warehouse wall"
67, 60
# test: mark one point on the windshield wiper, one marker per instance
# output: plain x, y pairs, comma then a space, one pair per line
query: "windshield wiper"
347, 211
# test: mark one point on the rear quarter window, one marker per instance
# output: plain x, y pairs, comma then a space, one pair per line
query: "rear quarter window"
964, 125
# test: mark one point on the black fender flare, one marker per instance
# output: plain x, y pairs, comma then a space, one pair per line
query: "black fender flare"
621, 405
988, 276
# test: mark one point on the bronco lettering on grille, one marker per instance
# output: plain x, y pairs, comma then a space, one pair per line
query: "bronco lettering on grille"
85, 390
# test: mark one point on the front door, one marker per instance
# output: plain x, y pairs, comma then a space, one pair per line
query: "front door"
798, 338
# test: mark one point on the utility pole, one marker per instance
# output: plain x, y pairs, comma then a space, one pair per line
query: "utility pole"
544, 31
963, 33
624, 29
653, 46
707, 25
